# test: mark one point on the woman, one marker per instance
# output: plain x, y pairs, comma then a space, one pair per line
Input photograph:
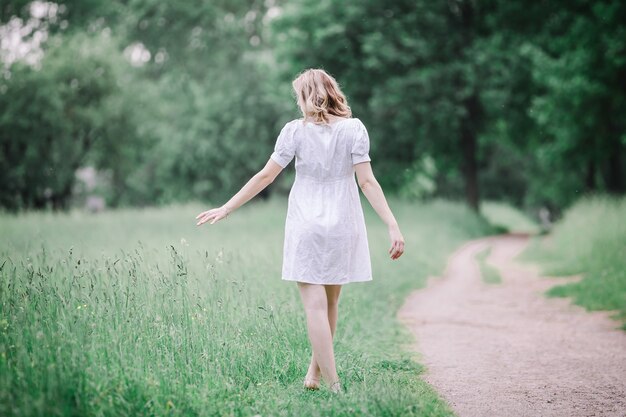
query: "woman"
325, 237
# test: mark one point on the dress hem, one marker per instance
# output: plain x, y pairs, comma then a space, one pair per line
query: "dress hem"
327, 283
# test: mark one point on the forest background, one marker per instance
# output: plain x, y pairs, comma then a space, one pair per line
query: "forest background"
145, 102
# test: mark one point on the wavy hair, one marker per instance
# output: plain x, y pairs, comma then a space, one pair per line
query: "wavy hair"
319, 96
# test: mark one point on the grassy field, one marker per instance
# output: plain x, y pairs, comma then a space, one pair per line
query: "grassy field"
589, 240
138, 312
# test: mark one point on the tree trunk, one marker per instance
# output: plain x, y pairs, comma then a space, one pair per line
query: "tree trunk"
614, 177
469, 145
472, 120
590, 177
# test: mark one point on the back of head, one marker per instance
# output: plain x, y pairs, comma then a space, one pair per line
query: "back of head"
319, 96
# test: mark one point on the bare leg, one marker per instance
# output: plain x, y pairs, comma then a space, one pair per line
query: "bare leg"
332, 297
315, 300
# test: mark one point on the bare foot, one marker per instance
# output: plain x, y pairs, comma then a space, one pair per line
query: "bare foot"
335, 387
312, 378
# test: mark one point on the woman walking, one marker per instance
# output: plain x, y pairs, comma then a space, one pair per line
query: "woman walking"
325, 243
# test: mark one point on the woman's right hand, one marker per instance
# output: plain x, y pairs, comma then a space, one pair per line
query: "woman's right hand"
213, 215
397, 242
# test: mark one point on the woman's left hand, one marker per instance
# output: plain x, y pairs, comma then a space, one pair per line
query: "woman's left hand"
214, 215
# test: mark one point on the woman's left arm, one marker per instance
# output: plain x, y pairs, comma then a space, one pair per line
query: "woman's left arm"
255, 185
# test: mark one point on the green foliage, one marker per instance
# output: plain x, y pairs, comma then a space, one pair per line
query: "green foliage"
419, 182
12, 8
512, 101
589, 240
579, 66
139, 312
479, 86
207, 141
379, 51
212, 114
53, 115
195, 120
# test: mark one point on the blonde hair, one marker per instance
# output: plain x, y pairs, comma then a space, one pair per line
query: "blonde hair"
319, 96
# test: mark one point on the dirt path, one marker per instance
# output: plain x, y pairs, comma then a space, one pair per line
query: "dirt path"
507, 350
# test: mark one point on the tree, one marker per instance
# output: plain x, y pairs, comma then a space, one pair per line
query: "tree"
52, 116
578, 61
197, 113
414, 71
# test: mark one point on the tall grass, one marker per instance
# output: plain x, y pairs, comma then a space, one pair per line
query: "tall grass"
589, 240
138, 312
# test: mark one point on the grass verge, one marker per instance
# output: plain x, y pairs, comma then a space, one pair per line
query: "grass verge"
508, 219
138, 312
589, 240
489, 274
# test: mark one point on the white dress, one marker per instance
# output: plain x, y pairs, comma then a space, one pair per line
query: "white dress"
325, 235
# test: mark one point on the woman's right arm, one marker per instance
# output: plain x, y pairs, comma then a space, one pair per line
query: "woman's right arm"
374, 194
255, 185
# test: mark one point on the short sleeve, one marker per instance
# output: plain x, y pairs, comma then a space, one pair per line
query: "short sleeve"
361, 145
285, 148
